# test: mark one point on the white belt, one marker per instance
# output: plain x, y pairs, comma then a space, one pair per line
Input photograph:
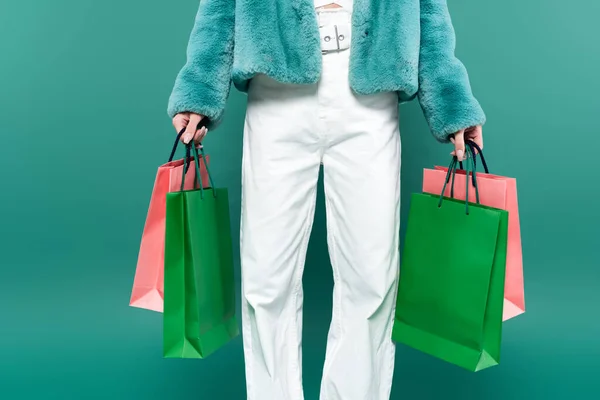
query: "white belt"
335, 30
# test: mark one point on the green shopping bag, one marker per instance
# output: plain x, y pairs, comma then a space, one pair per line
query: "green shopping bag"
451, 288
199, 289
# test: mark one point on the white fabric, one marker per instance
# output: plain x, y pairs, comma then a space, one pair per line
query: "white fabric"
289, 131
346, 4
335, 29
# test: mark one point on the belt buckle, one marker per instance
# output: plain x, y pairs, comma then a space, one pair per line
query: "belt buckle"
338, 37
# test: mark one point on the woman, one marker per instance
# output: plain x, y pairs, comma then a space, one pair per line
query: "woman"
323, 89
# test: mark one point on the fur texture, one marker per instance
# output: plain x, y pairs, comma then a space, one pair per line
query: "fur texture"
406, 46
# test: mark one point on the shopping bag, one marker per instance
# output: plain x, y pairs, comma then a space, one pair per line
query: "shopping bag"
498, 192
199, 307
450, 291
147, 291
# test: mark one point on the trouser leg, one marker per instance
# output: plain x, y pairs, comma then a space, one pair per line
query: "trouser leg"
281, 160
362, 189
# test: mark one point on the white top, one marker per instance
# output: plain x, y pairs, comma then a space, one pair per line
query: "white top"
346, 4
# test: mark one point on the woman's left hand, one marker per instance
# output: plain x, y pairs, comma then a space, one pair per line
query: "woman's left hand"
474, 133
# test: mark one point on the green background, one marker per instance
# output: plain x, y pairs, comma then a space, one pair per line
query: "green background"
83, 126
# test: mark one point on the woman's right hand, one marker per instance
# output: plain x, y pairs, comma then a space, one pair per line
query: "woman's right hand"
190, 122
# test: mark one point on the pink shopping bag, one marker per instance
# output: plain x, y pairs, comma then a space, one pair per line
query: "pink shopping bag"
498, 192
148, 283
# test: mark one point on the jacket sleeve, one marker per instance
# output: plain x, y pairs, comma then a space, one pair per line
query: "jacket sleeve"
444, 89
203, 84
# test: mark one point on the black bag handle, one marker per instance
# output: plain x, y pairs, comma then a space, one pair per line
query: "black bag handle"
203, 123
472, 147
451, 172
198, 179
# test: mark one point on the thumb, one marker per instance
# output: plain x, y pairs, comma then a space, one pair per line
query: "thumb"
190, 129
459, 145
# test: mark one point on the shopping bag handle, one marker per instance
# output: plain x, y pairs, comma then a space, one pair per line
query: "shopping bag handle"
460, 163
203, 123
452, 172
474, 146
198, 177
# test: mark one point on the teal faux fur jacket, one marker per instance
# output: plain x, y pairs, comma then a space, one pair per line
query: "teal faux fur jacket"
405, 46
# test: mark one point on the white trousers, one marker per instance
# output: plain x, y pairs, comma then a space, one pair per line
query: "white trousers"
290, 130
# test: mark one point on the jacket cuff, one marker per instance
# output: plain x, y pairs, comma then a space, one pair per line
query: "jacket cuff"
199, 99
450, 110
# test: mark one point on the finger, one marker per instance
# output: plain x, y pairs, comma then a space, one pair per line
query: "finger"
200, 134
465, 156
459, 144
476, 135
180, 122
190, 130
479, 141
